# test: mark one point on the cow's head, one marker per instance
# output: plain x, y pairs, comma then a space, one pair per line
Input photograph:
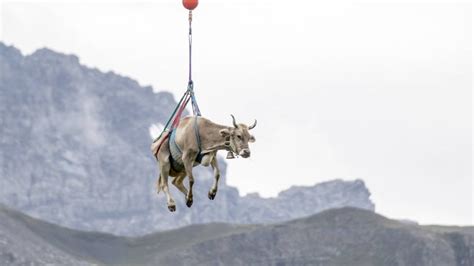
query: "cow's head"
238, 138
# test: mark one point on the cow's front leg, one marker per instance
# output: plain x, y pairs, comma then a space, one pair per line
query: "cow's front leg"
188, 160
217, 174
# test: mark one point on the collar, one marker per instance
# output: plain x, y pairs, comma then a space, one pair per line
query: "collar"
231, 146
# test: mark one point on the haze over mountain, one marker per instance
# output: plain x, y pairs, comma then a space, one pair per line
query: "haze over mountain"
346, 236
74, 150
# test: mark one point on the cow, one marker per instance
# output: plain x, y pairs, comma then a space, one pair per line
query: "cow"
195, 141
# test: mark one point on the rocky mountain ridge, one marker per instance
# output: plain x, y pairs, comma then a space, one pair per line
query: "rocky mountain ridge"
74, 150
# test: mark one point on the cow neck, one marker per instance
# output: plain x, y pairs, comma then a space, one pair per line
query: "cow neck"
212, 138
209, 142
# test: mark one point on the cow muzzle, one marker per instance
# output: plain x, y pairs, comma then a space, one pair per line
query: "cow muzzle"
245, 153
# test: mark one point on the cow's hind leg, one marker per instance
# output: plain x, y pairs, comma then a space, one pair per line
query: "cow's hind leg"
164, 186
178, 183
217, 174
165, 166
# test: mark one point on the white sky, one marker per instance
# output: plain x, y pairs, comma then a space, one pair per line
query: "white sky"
380, 91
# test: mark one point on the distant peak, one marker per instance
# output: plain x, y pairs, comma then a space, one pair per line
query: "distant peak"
335, 182
10, 49
46, 53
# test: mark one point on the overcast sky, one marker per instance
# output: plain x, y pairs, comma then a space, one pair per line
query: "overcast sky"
380, 91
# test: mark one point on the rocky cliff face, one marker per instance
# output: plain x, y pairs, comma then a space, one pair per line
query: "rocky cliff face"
74, 150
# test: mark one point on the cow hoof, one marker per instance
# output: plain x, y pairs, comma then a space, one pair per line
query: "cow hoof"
211, 195
172, 208
189, 203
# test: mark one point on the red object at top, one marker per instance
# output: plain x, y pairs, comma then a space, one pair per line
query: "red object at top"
190, 4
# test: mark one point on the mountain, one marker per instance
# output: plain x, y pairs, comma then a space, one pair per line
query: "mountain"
74, 151
21, 242
346, 236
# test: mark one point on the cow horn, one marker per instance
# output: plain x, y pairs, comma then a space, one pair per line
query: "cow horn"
233, 121
254, 124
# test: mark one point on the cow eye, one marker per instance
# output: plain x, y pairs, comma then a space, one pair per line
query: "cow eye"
239, 136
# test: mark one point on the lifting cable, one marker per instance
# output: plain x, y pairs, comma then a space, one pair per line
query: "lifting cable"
189, 94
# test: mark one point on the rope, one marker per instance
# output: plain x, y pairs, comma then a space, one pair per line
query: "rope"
189, 94
190, 39
195, 106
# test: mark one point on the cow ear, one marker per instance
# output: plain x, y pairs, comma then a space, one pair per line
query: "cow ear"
251, 139
224, 132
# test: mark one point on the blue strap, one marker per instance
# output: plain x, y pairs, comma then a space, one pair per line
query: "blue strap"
173, 141
175, 153
175, 150
175, 145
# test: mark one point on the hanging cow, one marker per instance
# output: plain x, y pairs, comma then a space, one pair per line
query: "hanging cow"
195, 141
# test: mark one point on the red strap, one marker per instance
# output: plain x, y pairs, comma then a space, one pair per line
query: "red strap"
162, 140
177, 118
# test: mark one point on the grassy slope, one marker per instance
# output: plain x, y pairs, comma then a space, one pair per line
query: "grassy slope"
340, 237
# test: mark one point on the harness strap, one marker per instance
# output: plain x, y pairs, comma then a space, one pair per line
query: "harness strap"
176, 154
198, 139
194, 103
179, 113
188, 95
173, 142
